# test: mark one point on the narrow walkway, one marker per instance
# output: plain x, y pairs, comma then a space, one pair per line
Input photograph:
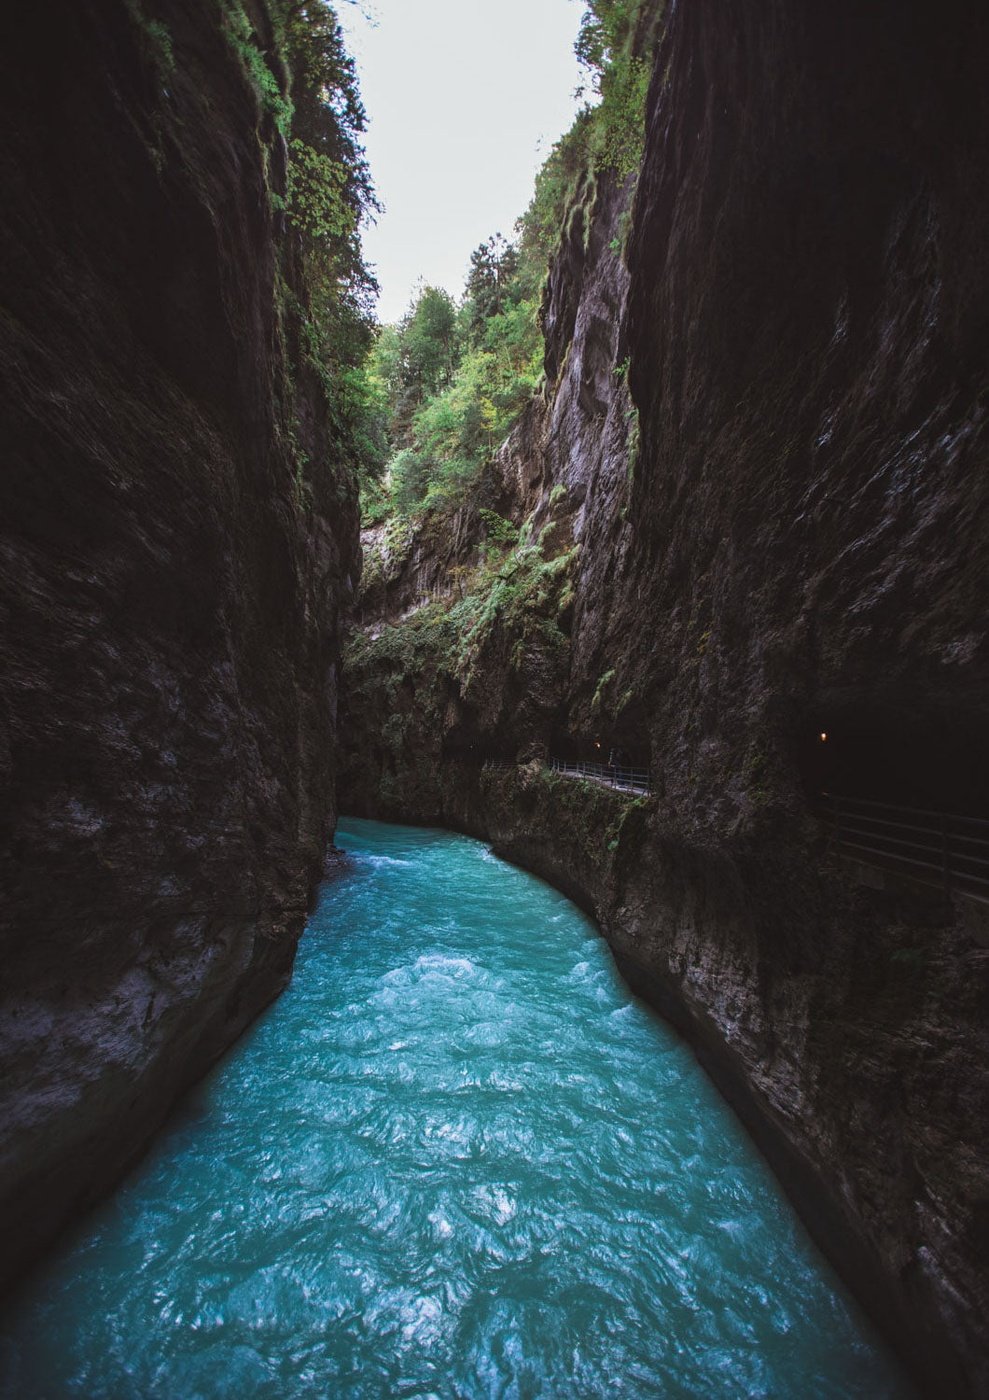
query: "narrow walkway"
938, 849
611, 775
934, 848
631, 780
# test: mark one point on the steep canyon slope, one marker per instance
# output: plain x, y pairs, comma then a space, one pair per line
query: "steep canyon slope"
176, 538
753, 508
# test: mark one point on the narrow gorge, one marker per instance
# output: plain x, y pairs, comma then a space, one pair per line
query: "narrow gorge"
734, 537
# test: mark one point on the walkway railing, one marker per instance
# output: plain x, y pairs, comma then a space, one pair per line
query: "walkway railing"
937, 848
612, 775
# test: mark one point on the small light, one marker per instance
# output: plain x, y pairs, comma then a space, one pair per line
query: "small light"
597, 743
824, 736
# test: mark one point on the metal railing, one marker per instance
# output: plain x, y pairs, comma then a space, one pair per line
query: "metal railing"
936, 848
614, 775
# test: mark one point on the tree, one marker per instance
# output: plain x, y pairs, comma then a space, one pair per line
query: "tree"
428, 343
328, 115
615, 45
494, 267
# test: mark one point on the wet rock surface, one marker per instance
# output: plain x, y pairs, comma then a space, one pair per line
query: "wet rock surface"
767, 439
169, 589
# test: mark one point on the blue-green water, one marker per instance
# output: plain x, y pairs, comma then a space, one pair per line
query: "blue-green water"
455, 1159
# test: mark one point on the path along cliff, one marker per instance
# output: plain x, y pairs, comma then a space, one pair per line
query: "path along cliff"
751, 504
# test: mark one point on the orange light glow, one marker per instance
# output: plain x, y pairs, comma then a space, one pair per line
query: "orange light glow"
824, 736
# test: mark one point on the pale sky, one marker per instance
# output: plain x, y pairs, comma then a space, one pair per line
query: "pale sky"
464, 99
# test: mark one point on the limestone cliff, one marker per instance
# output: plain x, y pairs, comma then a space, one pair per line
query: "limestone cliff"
175, 540
761, 455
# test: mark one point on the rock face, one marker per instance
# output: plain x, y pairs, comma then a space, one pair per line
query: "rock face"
777, 528
175, 542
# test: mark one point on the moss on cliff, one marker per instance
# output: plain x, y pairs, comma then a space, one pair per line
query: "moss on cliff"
491, 656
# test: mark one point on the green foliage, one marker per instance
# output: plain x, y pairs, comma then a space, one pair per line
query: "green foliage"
620, 126
611, 32
494, 269
560, 177
615, 45
428, 343
329, 189
371, 391
384, 365
454, 382
243, 39
316, 198
375, 501
161, 43
408, 474
327, 196
516, 603
500, 530
512, 338
359, 417
597, 699
389, 654
523, 598
156, 37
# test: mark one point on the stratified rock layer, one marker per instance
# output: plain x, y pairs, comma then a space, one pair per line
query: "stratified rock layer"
791, 539
169, 581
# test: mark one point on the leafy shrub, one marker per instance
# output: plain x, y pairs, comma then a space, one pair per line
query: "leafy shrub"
241, 34
500, 530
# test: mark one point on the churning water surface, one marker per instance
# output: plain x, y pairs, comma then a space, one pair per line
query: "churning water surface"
455, 1159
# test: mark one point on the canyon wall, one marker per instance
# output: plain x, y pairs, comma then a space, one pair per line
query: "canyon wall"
175, 541
752, 502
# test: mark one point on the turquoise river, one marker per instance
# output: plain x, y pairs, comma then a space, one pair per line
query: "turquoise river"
455, 1159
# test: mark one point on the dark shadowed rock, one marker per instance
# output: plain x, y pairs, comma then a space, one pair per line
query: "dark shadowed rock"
168, 588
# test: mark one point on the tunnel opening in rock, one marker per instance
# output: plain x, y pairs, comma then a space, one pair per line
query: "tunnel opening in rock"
607, 746
906, 756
